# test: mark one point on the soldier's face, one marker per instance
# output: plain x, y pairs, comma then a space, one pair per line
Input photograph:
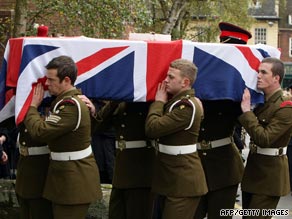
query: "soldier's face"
55, 87
174, 81
267, 82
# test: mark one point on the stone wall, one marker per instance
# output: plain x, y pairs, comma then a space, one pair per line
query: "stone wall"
9, 208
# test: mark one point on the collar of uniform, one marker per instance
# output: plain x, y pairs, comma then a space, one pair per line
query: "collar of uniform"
71, 92
181, 95
273, 95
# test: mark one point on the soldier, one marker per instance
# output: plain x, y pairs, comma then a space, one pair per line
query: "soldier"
131, 196
174, 120
31, 176
72, 181
266, 175
222, 163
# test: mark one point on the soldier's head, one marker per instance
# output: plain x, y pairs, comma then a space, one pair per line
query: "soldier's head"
231, 33
181, 76
270, 74
61, 74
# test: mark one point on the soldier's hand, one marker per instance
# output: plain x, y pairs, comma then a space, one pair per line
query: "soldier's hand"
161, 94
38, 95
89, 104
2, 139
4, 158
246, 102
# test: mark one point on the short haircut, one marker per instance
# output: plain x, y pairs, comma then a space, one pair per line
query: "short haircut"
65, 67
187, 69
278, 67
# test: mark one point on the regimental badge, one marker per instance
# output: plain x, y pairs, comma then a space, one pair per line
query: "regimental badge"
182, 107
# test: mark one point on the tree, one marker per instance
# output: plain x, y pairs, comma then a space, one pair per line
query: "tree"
112, 18
92, 18
177, 17
20, 18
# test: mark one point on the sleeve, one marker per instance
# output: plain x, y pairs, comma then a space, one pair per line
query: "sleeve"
60, 122
102, 118
267, 135
159, 124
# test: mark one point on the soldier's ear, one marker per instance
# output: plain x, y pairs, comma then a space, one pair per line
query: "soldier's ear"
277, 78
186, 82
67, 79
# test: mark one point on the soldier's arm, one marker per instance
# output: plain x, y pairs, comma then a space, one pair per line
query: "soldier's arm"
62, 121
267, 135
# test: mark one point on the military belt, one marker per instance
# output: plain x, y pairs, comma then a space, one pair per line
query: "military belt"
29, 151
122, 144
177, 149
269, 151
204, 145
72, 155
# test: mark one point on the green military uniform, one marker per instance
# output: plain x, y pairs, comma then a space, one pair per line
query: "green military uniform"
269, 126
180, 178
31, 175
130, 197
73, 177
223, 164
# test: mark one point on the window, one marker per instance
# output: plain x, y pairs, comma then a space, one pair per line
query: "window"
290, 19
290, 47
260, 36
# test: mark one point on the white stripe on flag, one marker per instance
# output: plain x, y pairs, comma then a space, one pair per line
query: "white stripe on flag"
8, 110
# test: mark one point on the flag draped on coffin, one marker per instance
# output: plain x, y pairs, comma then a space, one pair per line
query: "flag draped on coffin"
127, 70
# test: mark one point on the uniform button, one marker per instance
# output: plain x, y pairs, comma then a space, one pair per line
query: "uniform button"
23, 143
121, 137
204, 153
124, 113
140, 114
25, 130
123, 126
202, 129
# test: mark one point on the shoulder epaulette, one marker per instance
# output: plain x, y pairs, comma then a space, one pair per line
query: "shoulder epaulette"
182, 103
72, 101
286, 103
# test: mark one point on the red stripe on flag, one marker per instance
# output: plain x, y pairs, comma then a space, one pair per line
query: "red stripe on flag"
253, 61
9, 94
159, 56
90, 62
25, 107
28, 100
14, 61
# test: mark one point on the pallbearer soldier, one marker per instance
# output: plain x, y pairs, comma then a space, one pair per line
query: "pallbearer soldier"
222, 163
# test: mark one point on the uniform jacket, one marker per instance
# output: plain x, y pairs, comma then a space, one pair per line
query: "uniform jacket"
269, 126
176, 175
223, 166
68, 182
133, 167
31, 170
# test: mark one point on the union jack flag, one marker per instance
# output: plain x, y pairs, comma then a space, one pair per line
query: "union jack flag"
128, 70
